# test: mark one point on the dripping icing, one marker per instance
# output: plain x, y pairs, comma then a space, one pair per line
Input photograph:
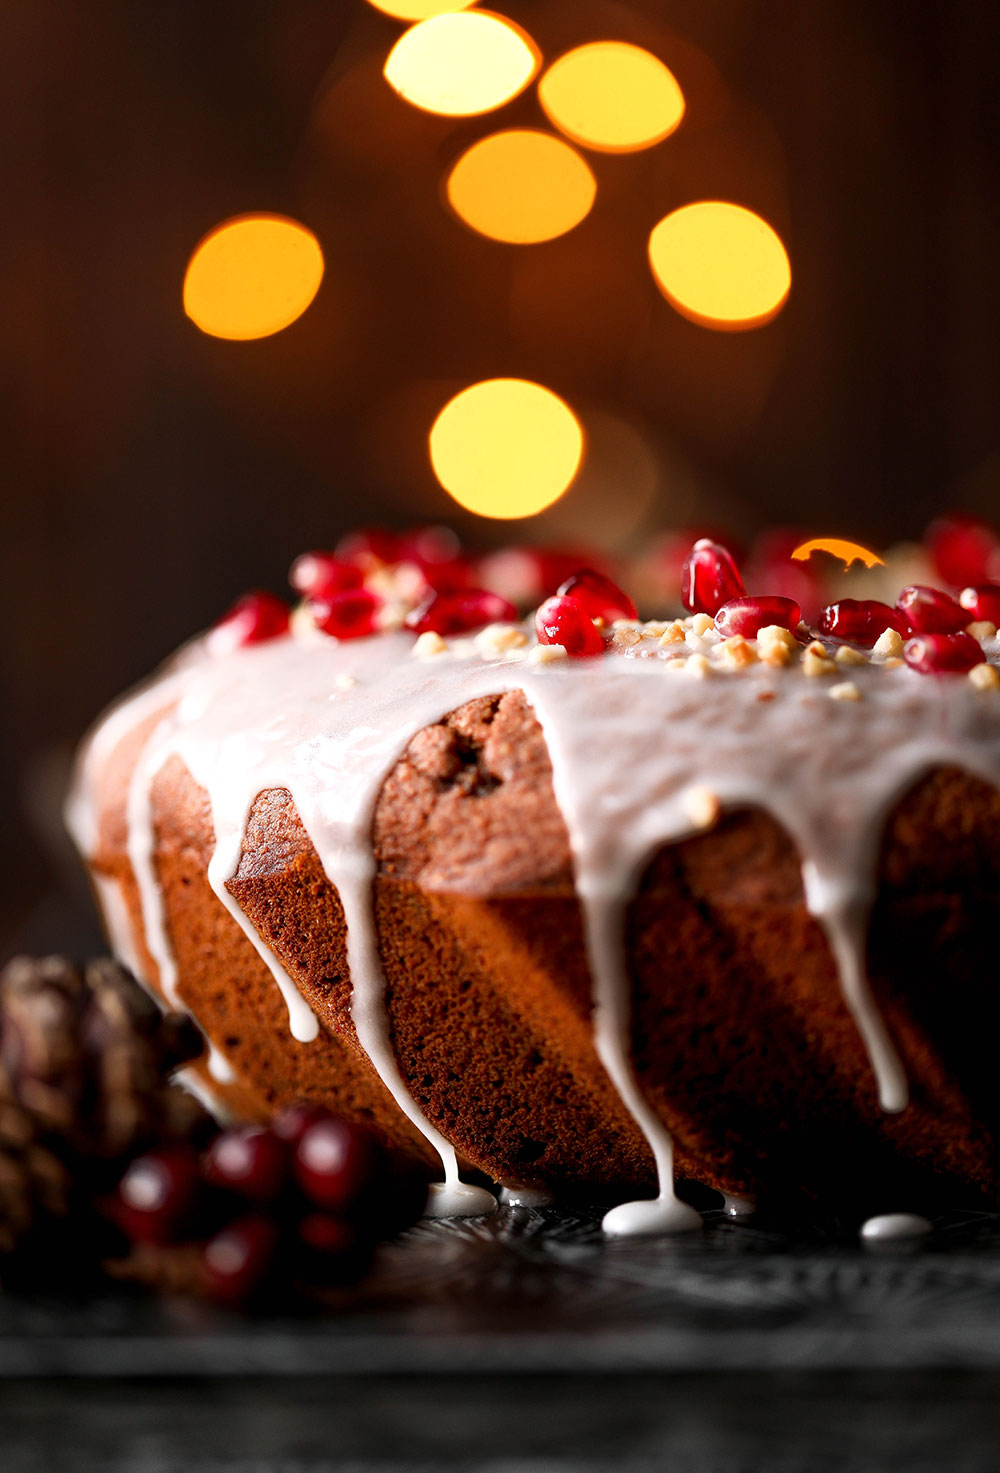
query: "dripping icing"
328, 722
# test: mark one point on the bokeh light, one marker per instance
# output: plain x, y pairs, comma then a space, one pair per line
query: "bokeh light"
412, 10
838, 547
462, 63
521, 186
251, 276
506, 447
612, 96
720, 264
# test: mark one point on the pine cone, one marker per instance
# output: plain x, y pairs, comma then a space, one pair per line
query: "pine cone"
85, 1060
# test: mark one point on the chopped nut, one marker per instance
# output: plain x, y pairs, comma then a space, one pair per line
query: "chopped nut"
985, 677
845, 691
888, 643
813, 664
697, 665
892, 662
626, 624
497, 639
817, 648
547, 654
673, 633
625, 635
345, 682
702, 623
982, 629
847, 655
654, 628
736, 653
701, 806
429, 643
776, 644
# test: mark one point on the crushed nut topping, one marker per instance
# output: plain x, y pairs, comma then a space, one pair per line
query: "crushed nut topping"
985, 677
982, 629
701, 805
547, 654
848, 655
814, 665
845, 691
429, 644
497, 639
888, 644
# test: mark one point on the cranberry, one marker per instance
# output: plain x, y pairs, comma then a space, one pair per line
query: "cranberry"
860, 620
333, 1251
370, 546
939, 654
336, 1163
252, 619
292, 1122
747, 615
458, 612
964, 549
709, 578
348, 615
563, 620
929, 611
321, 575
249, 1160
238, 1259
601, 599
158, 1195
982, 602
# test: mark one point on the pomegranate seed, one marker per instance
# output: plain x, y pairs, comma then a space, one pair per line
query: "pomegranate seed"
929, 611
964, 549
982, 602
562, 620
370, 545
158, 1194
237, 1260
321, 575
939, 654
709, 578
456, 613
748, 615
336, 1162
334, 1251
252, 619
860, 620
249, 1160
601, 599
349, 615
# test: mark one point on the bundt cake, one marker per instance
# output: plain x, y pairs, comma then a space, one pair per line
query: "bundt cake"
586, 903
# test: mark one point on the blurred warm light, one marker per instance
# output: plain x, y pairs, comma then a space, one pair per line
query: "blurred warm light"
462, 63
419, 9
521, 186
252, 276
506, 447
720, 265
848, 552
612, 96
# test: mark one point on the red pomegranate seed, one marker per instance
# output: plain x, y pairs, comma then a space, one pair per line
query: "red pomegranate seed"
940, 654
321, 575
237, 1260
562, 620
860, 620
458, 612
336, 1162
709, 578
252, 619
982, 602
349, 615
158, 1194
964, 549
748, 615
601, 599
249, 1160
929, 611
370, 545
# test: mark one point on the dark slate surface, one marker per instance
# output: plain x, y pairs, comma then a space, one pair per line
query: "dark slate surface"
527, 1342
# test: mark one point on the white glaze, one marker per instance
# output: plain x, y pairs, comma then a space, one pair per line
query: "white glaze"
895, 1227
628, 740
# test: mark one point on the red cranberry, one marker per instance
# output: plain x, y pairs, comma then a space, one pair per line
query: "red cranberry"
964, 549
237, 1260
249, 1160
252, 619
982, 602
291, 1123
333, 1251
747, 615
336, 1162
709, 578
458, 612
562, 620
349, 615
860, 620
939, 654
370, 545
929, 611
158, 1194
321, 575
601, 599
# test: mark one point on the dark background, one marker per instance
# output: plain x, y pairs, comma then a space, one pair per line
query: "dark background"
152, 472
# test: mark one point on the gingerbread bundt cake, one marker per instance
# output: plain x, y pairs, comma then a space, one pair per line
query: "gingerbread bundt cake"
587, 903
